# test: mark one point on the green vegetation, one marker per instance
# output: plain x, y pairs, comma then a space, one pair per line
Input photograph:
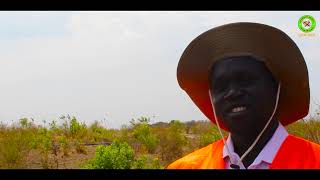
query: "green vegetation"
119, 155
143, 134
69, 143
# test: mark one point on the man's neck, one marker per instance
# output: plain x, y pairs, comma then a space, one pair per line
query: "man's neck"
242, 143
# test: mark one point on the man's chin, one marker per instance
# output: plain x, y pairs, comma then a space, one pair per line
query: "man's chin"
241, 128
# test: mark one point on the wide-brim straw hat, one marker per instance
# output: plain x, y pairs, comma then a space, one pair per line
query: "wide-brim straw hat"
268, 44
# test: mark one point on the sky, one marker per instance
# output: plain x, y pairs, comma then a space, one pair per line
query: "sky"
115, 66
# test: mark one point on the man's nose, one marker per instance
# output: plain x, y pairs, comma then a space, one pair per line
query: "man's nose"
233, 93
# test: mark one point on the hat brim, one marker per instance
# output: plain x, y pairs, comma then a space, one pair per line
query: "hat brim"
276, 49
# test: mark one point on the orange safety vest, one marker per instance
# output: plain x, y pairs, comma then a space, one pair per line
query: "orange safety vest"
294, 153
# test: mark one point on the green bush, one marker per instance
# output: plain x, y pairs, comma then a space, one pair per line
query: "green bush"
14, 147
141, 162
208, 138
147, 162
172, 141
44, 143
156, 164
140, 135
63, 141
308, 129
119, 155
77, 129
176, 132
144, 135
24, 123
72, 127
97, 133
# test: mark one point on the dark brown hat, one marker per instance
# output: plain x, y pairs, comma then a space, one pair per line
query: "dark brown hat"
275, 48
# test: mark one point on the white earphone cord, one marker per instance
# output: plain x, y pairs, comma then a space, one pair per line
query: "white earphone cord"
258, 137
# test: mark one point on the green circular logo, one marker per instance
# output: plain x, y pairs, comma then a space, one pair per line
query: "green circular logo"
307, 23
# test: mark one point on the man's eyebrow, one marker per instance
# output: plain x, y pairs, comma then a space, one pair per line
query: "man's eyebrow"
237, 72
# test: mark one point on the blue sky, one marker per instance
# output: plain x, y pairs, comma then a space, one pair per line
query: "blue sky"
114, 65
16, 25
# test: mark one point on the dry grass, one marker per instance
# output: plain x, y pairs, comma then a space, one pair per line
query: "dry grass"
307, 129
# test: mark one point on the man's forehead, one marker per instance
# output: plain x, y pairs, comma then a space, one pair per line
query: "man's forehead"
239, 65
239, 60
247, 63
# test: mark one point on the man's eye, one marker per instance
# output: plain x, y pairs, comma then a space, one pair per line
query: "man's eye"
220, 87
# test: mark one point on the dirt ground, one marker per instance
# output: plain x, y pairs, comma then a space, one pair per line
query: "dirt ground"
73, 160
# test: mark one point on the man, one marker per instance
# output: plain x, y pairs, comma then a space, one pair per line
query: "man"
251, 80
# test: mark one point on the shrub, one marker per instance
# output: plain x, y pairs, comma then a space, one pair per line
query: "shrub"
119, 155
172, 141
24, 123
208, 138
14, 146
44, 144
146, 162
143, 134
64, 144
77, 129
156, 164
308, 129
141, 162
80, 148
97, 133
72, 127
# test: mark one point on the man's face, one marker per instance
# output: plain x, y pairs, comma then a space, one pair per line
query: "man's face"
244, 94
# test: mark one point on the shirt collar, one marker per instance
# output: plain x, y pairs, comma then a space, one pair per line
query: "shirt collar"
269, 151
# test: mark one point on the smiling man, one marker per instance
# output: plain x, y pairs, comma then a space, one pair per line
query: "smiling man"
251, 80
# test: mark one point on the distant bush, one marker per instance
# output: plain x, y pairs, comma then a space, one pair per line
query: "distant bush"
97, 133
172, 141
25, 123
308, 129
200, 127
208, 138
125, 135
143, 134
72, 127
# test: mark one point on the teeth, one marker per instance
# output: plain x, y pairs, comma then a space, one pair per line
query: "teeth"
238, 109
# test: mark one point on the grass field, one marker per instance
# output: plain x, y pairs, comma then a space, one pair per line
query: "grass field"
140, 145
